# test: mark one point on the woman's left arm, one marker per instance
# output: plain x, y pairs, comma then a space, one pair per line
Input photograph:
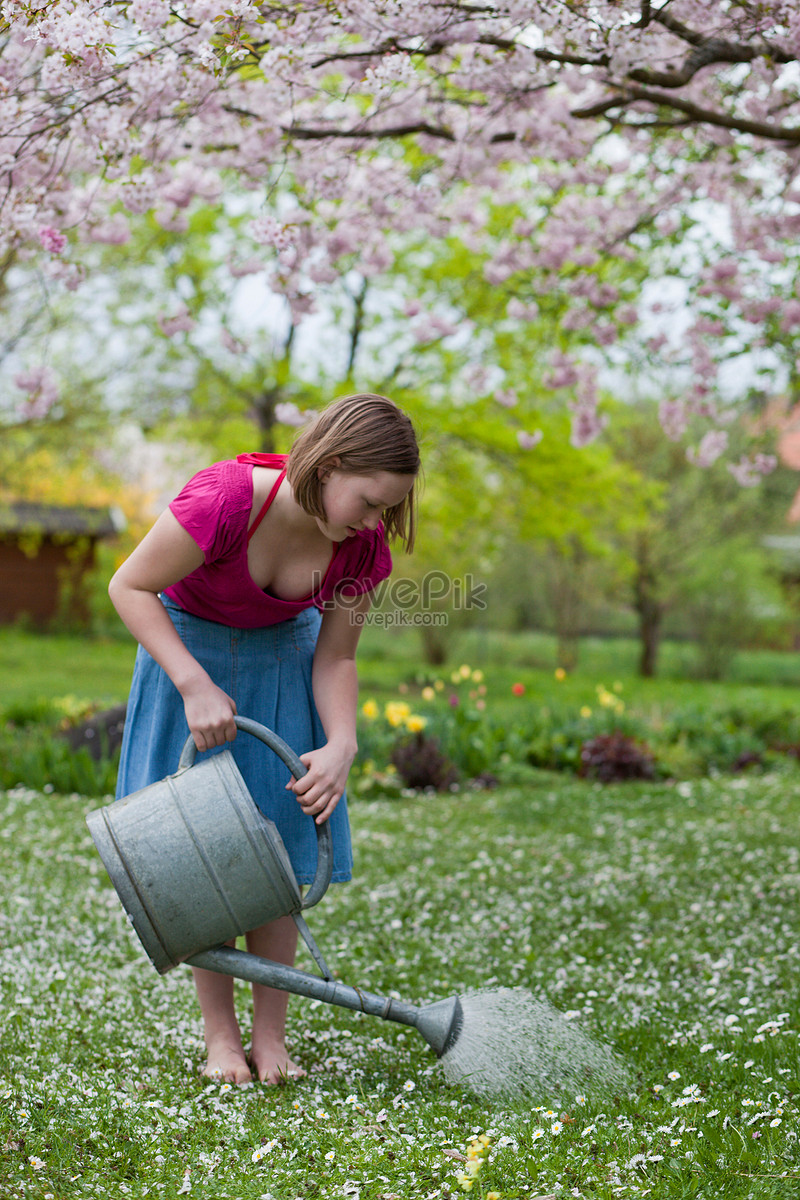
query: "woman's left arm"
335, 683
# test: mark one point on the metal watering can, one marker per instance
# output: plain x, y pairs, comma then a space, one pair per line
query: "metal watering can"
196, 864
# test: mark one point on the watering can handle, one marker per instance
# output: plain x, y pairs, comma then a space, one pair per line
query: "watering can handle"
298, 769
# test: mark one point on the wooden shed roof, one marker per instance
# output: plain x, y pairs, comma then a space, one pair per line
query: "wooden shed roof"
23, 516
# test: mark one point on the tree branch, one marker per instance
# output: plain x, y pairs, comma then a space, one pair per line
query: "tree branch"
703, 116
357, 327
574, 60
304, 134
707, 51
393, 47
699, 39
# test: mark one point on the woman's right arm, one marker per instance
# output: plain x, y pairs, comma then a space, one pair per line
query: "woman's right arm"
165, 555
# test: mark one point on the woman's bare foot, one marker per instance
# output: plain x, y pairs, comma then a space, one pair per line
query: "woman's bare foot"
226, 1058
271, 1064
269, 1057
226, 1062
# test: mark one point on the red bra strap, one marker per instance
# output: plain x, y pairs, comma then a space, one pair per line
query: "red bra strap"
266, 504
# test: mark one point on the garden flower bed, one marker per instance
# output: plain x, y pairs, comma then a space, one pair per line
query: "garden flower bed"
482, 733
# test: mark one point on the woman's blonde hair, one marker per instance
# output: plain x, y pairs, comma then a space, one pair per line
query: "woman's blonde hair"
367, 433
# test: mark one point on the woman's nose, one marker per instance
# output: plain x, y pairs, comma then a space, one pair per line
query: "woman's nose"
371, 520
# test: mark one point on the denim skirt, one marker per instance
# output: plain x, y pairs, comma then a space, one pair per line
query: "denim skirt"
268, 673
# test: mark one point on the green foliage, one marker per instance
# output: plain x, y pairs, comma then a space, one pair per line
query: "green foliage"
726, 599
36, 757
499, 722
34, 752
609, 740
696, 562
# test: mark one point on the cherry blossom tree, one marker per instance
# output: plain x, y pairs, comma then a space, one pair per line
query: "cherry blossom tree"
605, 124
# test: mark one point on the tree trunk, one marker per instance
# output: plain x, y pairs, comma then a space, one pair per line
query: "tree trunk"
649, 638
264, 413
357, 328
566, 588
650, 611
434, 645
567, 650
265, 402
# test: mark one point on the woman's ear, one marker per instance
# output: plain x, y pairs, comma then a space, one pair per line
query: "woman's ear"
325, 469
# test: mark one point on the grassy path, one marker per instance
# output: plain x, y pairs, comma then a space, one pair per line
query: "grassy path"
662, 919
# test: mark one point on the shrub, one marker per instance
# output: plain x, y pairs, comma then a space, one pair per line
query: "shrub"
420, 763
615, 757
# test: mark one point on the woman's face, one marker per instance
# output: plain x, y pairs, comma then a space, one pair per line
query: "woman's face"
355, 502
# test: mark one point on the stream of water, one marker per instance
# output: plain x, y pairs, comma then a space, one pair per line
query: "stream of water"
514, 1043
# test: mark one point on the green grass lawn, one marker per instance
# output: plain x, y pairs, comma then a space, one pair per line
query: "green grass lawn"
505, 658
660, 918
36, 666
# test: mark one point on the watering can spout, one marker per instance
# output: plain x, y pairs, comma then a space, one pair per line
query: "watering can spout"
441, 1024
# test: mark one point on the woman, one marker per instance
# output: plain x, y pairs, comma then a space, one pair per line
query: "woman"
248, 596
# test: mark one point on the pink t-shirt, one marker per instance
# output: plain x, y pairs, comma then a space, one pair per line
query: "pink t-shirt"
214, 508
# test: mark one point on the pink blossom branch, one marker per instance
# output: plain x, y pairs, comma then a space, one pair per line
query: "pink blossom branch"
694, 112
724, 47
302, 133
393, 46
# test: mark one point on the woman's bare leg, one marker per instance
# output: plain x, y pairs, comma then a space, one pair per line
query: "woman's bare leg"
269, 1058
226, 1056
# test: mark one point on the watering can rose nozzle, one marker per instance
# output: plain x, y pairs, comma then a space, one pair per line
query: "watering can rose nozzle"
441, 1024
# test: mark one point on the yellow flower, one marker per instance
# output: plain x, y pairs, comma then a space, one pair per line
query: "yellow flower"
477, 676
428, 693
465, 671
586, 711
397, 713
414, 724
439, 685
560, 673
492, 1196
370, 709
